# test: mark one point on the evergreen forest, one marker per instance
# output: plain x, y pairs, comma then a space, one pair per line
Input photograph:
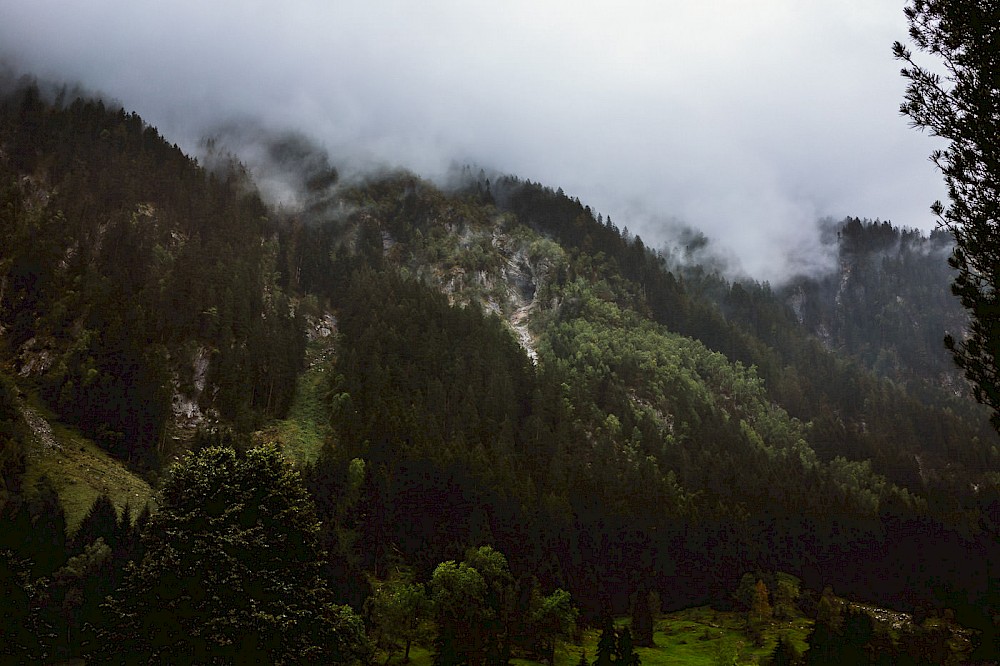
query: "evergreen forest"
462, 424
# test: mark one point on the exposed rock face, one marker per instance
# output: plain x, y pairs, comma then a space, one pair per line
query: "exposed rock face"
318, 328
522, 288
797, 301
42, 435
520, 277
502, 276
186, 408
35, 357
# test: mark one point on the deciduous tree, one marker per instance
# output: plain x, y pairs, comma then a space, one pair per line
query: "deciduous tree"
550, 618
398, 611
459, 593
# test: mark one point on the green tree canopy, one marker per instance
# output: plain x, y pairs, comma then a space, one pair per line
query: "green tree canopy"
231, 571
459, 594
474, 608
398, 612
550, 618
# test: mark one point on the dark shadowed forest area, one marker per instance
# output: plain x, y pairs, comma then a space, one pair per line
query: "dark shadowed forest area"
516, 426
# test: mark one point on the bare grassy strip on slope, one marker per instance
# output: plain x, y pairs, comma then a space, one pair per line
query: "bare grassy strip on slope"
79, 469
302, 432
301, 435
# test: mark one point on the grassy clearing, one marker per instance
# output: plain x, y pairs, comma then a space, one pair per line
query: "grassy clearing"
693, 636
705, 636
419, 656
80, 471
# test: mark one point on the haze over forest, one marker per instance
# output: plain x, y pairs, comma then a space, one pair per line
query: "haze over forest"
749, 123
559, 335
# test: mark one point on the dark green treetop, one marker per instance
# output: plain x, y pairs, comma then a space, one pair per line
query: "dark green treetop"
231, 571
963, 107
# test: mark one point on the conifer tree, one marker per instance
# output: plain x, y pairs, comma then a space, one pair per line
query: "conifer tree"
784, 653
46, 542
101, 522
627, 655
20, 642
642, 619
607, 647
963, 107
12, 434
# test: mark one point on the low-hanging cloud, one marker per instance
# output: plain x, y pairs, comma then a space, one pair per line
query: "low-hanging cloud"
748, 121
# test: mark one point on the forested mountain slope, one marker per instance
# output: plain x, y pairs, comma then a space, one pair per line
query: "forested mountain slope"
625, 401
133, 284
889, 303
852, 412
509, 369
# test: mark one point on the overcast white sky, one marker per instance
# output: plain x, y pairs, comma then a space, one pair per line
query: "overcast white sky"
747, 120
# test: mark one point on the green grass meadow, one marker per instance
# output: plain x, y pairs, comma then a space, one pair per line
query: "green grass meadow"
80, 471
693, 636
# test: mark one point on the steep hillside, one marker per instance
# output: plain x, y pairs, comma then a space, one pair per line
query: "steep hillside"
916, 437
79, 470
506, 367
889, 303
134, 286
620, 400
